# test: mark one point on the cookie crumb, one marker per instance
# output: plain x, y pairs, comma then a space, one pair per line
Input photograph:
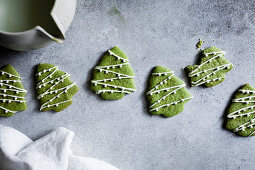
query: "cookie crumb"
199, 43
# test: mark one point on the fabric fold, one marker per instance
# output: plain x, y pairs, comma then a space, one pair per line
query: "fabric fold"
52, 152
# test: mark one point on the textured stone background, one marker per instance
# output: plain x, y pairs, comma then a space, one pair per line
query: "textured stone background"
150, 32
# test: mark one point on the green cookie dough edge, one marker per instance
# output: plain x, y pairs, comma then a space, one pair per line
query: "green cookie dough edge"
231, 123
168, 111
105, 61
190, 68
23, 106
72, 91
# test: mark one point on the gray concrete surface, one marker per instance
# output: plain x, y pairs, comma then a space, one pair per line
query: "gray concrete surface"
150, 32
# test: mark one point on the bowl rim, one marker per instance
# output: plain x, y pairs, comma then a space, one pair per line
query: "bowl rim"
31, 29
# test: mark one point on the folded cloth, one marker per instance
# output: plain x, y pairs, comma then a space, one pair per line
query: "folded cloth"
51, 152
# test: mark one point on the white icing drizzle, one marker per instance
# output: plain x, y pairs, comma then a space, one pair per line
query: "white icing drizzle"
54, 82
12, 88
172, 92
221, 67
8, 95
112, 91
163, 73
46, 70
9, 74
119, 77
56, 104
112, 66
118, 74
176, 88
220, 54
7, 110
10, 100
7, 81
118, 57
215, 69
114, 86
166, 89
239, 114
208, 81
160, 83
242, 127
17, 89
242, 100
247, 91
173, 103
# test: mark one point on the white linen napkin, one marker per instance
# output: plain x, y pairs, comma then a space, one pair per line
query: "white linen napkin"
51, 152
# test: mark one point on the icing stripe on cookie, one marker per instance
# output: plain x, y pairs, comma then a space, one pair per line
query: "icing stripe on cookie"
173, 103
173, 89
105, 69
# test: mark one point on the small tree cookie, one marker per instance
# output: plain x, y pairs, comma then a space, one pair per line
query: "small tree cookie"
212, 68
241, 112
113, 77
54, 88
12, 92
167, 94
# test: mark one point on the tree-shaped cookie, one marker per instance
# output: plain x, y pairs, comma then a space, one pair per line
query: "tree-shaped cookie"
167, 94
12, 92
113, 77
54, 88
212, 69
241, 112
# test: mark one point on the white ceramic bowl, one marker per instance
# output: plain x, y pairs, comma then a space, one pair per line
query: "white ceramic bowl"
33, 24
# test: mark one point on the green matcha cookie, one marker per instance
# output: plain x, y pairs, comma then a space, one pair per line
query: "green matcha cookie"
12, 92
212, 69
54, 88
113, 77
241, 112
167, 94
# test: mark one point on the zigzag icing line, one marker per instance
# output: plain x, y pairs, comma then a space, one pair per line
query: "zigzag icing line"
52, 81
54, 91
114, 86
163, 73
45, 105
118, 57
160, 83
108, 71
46, 70
10, 100
208, 75
204, 71
242, 127
13, 87
220, 54
165, 89
57, 104
231, 115
8, 95
247, 91
49, 76
7, 110
208, 81
9, 74
7, 81
242, 100
112, 91
173, 103
172, 92
111, 66
49, 90
111, 79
